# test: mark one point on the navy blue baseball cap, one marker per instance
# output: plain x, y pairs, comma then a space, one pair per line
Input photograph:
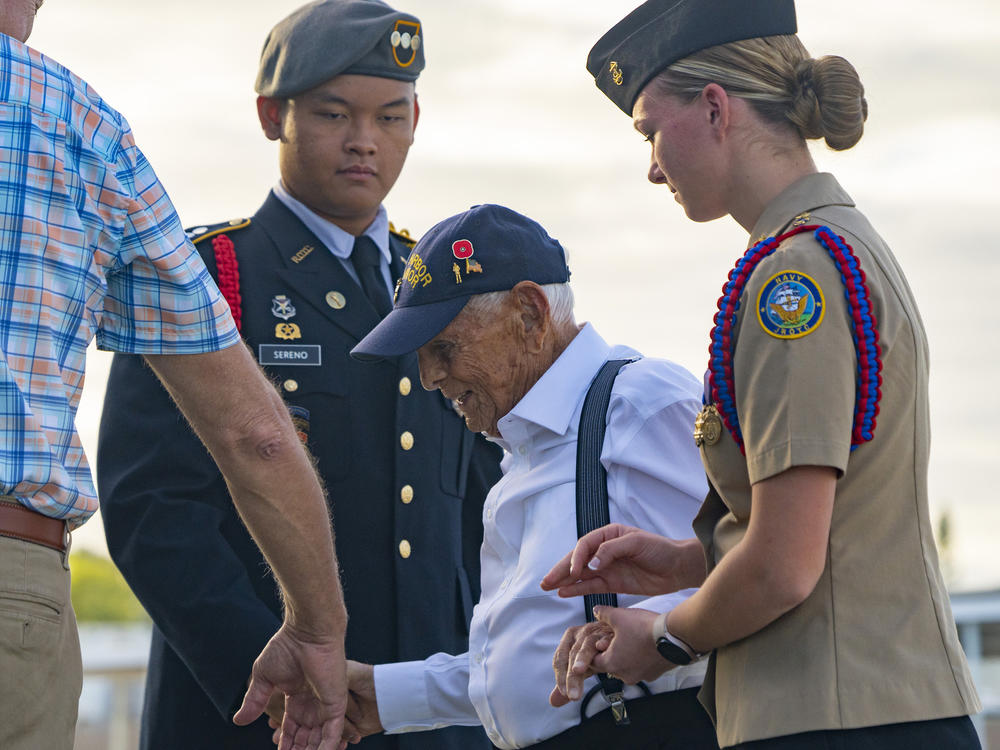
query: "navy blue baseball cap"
488, 248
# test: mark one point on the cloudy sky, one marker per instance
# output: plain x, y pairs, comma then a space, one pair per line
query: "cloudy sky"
509, 115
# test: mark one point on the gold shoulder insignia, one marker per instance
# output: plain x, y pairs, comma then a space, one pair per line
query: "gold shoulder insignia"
402, 234
200, 233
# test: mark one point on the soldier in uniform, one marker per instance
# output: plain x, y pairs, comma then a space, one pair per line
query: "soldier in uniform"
307, 277
823, 605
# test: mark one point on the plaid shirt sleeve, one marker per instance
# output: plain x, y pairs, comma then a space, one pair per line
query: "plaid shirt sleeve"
160, 299
90, 245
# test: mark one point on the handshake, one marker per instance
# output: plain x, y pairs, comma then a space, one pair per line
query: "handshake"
361, 718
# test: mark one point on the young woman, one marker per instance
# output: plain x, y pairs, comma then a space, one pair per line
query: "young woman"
823, 606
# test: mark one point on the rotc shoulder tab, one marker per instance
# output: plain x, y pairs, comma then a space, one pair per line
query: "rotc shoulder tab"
203, 231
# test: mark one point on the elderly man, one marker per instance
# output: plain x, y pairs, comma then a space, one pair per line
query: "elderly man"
307, 277
486, 303
91, 247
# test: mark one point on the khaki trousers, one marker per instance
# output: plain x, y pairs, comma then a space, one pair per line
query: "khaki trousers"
40, 668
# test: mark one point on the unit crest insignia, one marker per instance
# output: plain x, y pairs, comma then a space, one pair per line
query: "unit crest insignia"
282, 307
405, 41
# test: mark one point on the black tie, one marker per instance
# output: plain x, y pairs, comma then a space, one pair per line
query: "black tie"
367, 260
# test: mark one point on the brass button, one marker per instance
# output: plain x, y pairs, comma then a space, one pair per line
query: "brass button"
406, 440
404, 549
404, 386
406, 494
336, 300
291, 385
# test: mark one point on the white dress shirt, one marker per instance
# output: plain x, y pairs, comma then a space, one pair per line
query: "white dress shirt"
339, 242
655, 481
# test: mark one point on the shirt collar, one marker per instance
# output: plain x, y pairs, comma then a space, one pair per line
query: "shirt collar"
339, 242
802, 196
554, 399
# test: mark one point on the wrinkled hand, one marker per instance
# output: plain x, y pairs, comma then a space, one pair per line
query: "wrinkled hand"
632, 654
310, 671
619, 559
572, 661
275, 709
362, 707
620, 642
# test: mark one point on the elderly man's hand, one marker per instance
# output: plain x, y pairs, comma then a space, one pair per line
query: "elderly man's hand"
362, 707
572, 661
620, 642
625, 560
311, 673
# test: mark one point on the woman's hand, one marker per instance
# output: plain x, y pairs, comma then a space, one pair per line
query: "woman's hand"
620, 642
625, 560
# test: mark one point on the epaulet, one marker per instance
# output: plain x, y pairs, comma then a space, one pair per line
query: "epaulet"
402, 234
203, 232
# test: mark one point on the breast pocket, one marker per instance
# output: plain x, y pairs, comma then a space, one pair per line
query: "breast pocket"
317, 400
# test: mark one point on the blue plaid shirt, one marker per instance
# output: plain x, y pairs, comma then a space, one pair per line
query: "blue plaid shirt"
90, 245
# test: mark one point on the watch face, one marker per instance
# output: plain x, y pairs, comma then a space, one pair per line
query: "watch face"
672, 652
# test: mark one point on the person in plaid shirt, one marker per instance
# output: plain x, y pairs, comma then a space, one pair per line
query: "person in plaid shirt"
91, 247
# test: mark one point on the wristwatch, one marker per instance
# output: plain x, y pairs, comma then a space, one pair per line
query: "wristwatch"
672, 648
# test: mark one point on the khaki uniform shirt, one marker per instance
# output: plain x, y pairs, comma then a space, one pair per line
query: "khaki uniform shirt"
875, 643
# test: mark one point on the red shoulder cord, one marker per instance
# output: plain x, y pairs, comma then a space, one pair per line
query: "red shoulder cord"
228, 270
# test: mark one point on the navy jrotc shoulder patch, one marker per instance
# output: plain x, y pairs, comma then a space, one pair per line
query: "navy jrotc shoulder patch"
790, 305
203, 232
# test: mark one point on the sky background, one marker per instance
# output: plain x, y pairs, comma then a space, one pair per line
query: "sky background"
509, 115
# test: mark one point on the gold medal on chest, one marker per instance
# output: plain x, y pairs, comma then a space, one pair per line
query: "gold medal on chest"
707, 426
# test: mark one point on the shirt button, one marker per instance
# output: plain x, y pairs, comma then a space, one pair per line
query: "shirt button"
336, 300
290, 385
523, 450
406, 494
479, 658
404, 387
406, 440
404, 549
489, 513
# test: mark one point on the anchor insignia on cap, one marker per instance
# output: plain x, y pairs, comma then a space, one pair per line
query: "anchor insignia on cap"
616, 73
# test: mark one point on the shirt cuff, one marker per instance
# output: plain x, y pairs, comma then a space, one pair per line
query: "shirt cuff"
402, 697
421, 695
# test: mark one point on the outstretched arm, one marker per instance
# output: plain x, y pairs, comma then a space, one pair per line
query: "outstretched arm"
165, 506
245, 426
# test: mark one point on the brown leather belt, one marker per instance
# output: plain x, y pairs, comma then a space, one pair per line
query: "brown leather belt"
19, 522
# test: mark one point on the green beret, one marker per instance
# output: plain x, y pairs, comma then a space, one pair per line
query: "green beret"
328, 38
660, 32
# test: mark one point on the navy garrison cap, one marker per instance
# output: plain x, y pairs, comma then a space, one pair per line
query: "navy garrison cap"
660, 32
327, 38
488, 248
